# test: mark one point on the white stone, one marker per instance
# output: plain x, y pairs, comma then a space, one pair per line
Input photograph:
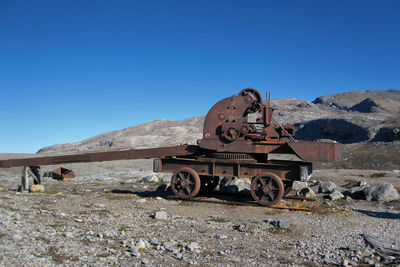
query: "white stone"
151, 178
59, 214
140, 244
160, 215
193, 246
335, 195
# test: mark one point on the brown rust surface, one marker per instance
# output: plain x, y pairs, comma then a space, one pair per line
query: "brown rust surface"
317, 151
181, 150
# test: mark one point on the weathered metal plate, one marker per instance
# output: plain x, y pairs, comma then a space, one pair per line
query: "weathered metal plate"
317, 151
182, 150
63, 174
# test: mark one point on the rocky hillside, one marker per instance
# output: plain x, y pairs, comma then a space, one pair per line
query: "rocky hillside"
352, 117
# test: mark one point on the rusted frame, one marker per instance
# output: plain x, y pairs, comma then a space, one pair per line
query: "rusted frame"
230, 168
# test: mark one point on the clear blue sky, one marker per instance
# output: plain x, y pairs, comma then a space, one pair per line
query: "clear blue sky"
70, 70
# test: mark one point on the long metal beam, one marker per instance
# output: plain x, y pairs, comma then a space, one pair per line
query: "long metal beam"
182, 150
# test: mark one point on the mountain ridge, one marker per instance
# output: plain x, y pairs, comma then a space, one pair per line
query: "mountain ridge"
350, 117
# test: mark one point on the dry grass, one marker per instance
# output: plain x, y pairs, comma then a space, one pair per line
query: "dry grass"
378, 175
219, 220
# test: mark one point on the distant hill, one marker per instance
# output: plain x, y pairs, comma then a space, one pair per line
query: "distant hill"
352, 117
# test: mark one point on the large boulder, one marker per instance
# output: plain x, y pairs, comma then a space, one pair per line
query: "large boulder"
357, 192
381, 192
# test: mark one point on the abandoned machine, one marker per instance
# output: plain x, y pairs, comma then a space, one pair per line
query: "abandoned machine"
240, 139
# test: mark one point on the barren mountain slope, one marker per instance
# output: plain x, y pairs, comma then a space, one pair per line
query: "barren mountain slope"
364, 101
328, 117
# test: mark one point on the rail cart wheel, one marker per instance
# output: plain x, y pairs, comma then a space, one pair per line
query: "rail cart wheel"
208, 184
267, 189
185, 183
287, 187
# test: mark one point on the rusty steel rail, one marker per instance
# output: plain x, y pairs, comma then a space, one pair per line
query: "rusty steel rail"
181, 150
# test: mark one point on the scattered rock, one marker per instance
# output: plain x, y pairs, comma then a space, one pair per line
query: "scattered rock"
160, 215
130, 181
169, 245
381, 192
297, 185
240, 227
327, 187
220, 236
194, 246
68, 234
154, 241
361, 183
140, 244
145, 261
335, 195
348, 198
107, 234
231, 185
141, 200
134, 252
59, 214
151, 178
16, 237
36, 188
166, 177
305, 192
282, 223
315, 187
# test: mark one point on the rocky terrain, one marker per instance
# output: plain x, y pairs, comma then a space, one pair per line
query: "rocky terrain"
116, 213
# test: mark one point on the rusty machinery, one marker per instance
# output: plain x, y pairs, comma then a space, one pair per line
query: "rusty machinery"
240, 139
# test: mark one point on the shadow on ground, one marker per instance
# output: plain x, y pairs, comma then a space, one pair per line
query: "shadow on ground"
380, 214
237, 197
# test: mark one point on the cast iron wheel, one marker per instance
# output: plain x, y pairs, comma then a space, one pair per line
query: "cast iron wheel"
185, 183
208, 184
287, 187
267, 189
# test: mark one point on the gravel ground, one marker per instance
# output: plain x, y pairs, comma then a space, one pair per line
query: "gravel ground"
108, 218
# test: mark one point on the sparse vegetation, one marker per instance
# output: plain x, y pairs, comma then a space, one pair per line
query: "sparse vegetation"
276, 230
219, 220
58, 224
57, 257
378, 175
270, 212
124, 228
51, 192
286, 248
